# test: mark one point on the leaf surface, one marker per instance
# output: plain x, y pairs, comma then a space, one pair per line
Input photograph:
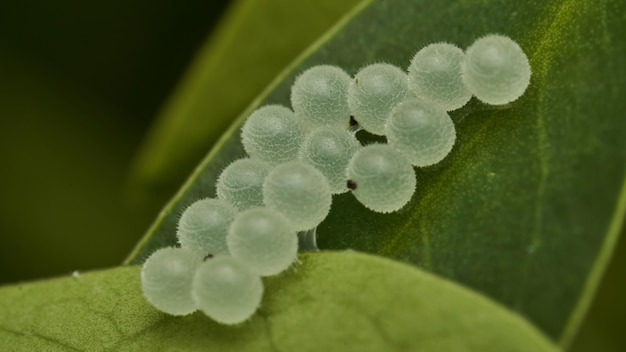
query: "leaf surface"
331, 302
527, 207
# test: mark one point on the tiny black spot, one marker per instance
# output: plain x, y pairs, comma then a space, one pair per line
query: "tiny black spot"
351, 185
356, 81
353, 122
208, 256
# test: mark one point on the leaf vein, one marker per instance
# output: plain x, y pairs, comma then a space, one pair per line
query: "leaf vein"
49, 339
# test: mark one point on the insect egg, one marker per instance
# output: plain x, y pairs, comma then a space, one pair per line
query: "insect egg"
375, 90
226, 290
421, 131
435, 75
264, 240
204, 224
273, 134
319, 96
381, 178
300, 192
241, 183
330, 149
496, 70
166, 279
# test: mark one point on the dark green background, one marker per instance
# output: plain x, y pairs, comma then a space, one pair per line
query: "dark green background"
80, 82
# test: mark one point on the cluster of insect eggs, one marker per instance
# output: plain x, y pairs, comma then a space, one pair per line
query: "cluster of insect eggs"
298, 159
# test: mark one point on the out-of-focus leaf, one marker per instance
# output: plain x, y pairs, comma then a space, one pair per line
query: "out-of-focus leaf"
254, 42
331, 302
62, 175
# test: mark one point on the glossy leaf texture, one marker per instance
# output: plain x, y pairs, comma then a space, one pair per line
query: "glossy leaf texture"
331, 302
528, 205
252, 44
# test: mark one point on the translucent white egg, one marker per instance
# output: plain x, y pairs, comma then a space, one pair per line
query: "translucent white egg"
300, 192
421, 131
435, 76
226, 290
264, 240
272, 134
373, 92
329, 149
319, 97
166, 279
496, 70
381, 178
241, 183
203, 226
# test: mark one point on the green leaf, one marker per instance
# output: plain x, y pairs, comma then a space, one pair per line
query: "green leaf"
602, 327
330, 302
527, 207
254, 42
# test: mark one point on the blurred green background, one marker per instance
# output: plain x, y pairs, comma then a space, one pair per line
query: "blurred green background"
80, 85
80, 82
